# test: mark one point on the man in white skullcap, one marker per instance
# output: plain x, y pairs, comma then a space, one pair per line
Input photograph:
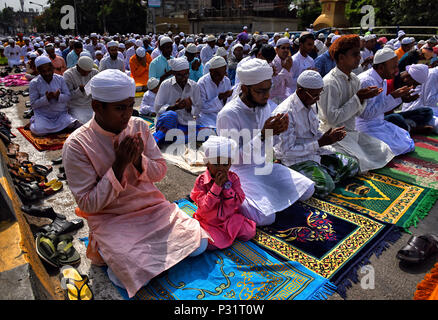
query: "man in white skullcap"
112, 60
147, 106
367, 53
215, 91
196, 67
178, 101
94, 45
302, 146
235, 57
406, 45
371, 121
343, 100
12, 52
159, 67
209, 50
139, 66
269, 187
135, 44
27, 47
99, 55
282, 81
400, 36
76, 79
49, 96
415, 116
111, 164
220, 52
302, 59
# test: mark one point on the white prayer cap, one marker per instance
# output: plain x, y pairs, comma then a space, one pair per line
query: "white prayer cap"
368, 37
421, 42
199, 47
111, 85
321, 36
282, 41
181, 34
191, 48
112, 44
190, 40
139, 43
407, 40
237, 45
122, 46
11, 41
42, 60
334, 38
221, 52
400, 33
218, 146
331, 35
229, 38
165, 40
254, 71
319, 44
297, 41
33, 55
153, 83
418, 72
97, 52
384, 55
93, 35
179, 64
217, 62
85, 53
85, 63
310, 79
245, 27
141, 52
211, 38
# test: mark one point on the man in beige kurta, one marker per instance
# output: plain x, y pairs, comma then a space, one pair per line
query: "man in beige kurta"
111, 164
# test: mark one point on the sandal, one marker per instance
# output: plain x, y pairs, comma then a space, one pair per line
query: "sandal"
29, 192
55, 187
57, 250
13, 148
76, 284
42, 212
57, 161
61, 226
419, 248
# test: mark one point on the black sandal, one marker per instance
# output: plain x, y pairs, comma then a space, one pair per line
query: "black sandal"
419, 248
42, 212
29, 192
61, 226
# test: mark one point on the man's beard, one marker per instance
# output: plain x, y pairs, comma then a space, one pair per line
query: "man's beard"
250, 98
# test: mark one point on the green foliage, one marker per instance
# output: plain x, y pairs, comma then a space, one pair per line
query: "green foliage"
307, 12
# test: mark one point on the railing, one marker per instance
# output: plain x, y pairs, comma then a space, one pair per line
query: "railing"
427, 31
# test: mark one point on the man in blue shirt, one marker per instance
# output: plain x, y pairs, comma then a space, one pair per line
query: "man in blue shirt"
159, 67
324, 63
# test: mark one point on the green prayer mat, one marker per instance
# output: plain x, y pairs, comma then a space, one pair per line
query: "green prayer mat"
385, 199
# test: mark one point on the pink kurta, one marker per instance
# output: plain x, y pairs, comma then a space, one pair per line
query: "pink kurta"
219, 211
136, 229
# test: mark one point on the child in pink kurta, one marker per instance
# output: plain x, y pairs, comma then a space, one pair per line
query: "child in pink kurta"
219, 200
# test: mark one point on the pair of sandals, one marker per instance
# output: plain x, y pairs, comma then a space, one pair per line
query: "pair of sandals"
57, 250
32, 192
419, 248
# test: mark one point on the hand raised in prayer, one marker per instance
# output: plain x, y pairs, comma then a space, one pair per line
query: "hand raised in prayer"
56, 94
138, 141
221, 177
278, 124
368, 93
332, 136
287, 63
188, 104
401, 92
49, 95
225, 95
408, 98
126, 153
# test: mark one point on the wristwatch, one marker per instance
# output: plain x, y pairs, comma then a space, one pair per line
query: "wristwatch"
228, 185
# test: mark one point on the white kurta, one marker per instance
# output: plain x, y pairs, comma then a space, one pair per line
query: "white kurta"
339, 106
372, 120
79, 105
300, 64
267, 192
13, 55
207, 53
147, 103
211, 105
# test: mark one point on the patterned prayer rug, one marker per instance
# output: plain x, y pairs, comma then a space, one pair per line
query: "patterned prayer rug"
419, 167
385, 198
327, 239
242, 272
49, 142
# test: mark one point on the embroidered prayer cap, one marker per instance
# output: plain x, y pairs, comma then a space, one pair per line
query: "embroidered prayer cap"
85, 63
191, 48
111, 85
221, 52
97, 52
42, 60
218, 146
141, 52
254, 71
165, 40
238, 45
153, 83
179, 64
418, 72
122, 46
282, 41
217, 62
384, 55
310, 79
190, 40
112, 44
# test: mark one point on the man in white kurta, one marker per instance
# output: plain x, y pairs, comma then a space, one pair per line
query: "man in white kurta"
215, 90
13, 52
302, 60
209, 50
372, 121
49, 96
269, 187
342, 101
76, 79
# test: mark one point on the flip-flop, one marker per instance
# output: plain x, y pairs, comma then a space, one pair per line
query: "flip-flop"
62, 226
55, 187
419, 248
76, 284
45, 185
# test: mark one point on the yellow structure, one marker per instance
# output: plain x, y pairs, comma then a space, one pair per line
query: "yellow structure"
332, 15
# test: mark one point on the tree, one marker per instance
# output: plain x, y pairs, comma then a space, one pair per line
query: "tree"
307, 12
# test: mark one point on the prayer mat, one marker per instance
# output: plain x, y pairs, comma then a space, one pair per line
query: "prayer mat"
50, 142
419, 167
149, 120
427, 289
327, 239
139, 94
385, 198
242, 272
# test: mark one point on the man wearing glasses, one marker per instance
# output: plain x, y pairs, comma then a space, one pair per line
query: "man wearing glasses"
302, 147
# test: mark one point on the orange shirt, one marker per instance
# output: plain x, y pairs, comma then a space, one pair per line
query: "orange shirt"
400, 53
139, 72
